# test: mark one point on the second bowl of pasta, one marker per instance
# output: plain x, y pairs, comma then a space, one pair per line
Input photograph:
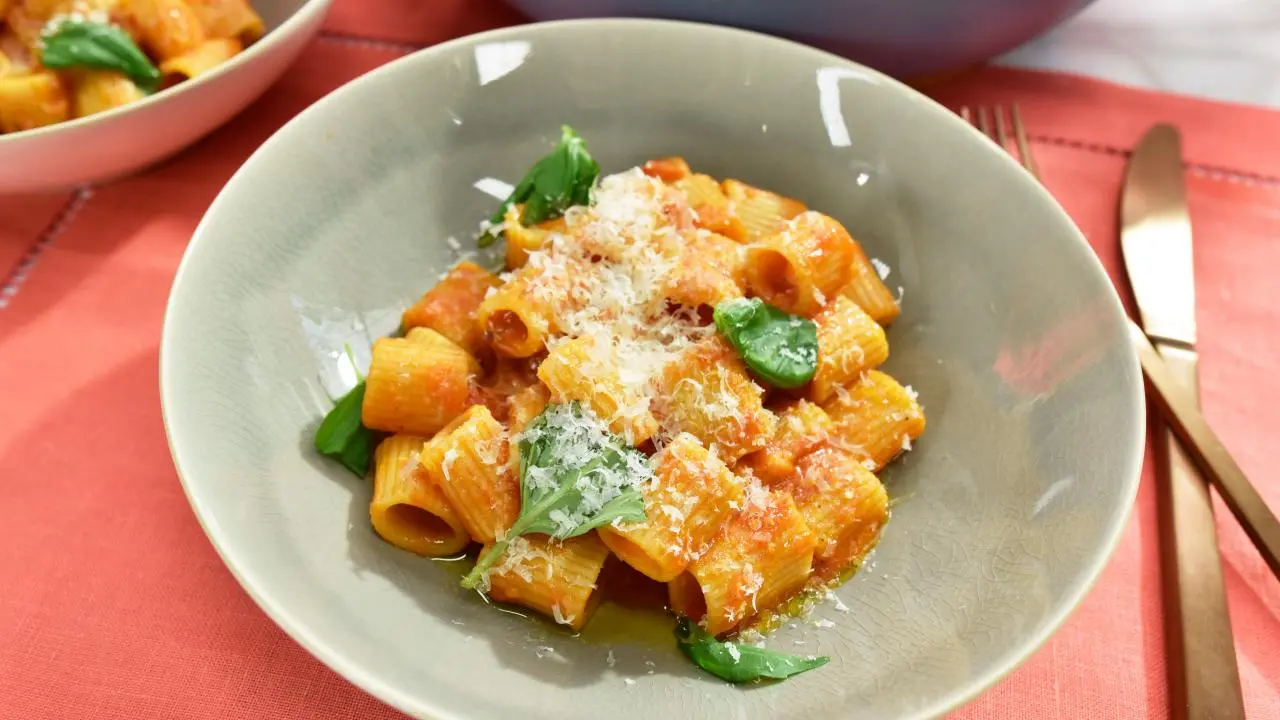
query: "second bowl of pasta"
715, 381
94, 89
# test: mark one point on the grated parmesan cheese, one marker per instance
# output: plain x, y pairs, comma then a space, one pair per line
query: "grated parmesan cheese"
80, 12
450, 456
580, 437
606, 279
882, 267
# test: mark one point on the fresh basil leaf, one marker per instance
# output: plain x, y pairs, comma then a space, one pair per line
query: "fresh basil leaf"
557, 182
76, 44
343, 436
739, 663
780, 348
575, 476
489, 237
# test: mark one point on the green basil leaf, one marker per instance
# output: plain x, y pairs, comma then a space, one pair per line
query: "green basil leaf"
489, 237
76, 44
780, 348
575, 476
343, 436
557, 182
739, 663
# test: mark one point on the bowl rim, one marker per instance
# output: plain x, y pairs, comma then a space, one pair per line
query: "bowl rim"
422, 707
296, 21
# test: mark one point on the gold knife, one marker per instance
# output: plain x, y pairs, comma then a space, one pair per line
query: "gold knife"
1155, 237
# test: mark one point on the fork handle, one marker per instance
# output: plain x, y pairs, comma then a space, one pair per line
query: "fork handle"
1209, 454
1205, 682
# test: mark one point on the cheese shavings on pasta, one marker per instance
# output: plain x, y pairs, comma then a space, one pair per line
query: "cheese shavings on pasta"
604, 281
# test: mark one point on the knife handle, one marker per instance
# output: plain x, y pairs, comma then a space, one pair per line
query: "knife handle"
1205, 681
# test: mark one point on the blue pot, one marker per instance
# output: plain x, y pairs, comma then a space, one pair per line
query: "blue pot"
906, 38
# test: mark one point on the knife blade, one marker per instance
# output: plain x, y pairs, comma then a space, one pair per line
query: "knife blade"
1156, 242
1155, 238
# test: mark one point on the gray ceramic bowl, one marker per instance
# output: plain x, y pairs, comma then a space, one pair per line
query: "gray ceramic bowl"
902, 37
1011, 332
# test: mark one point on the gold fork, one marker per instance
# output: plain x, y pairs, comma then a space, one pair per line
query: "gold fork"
1177, 407
1200, 694
998, 132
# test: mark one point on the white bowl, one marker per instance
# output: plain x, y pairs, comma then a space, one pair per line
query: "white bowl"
122, 141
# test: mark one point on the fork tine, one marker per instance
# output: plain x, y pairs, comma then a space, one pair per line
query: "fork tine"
1024, 147
966, 114
1001, 136
984, 121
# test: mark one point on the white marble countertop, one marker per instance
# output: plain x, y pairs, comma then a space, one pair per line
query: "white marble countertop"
1221, 49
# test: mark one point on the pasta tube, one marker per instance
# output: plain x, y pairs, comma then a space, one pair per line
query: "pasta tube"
97, 91
875, 419
763, 556
555, 578
802, 427
202, 58
709, 272
694, 493
450, 307
167, 28
708, 393
761, 212
471, 463
802, 265
32, 100
869, 292
711, 207
407, 510
844, 505
523, 240
849, 342
585, 369
417, 384
232, 19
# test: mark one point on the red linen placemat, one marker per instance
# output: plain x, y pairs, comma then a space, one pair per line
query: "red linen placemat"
114, 604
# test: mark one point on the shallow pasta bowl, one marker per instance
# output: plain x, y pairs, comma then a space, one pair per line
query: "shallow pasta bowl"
1005, 512
126, 139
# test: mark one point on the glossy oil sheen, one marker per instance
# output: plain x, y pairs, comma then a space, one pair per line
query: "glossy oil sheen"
902, 37
1005, 512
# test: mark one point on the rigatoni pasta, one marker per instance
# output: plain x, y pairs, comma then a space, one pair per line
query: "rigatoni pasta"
673, 374
762, 213
65, 59
202, 58
875, 419
842, 503
417, 384
470, 462
558, 579
849, 343
408, 510
799, 267
763, 556
32, 100
707, 392
450, 307
693, 493
585, 369
867, 289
